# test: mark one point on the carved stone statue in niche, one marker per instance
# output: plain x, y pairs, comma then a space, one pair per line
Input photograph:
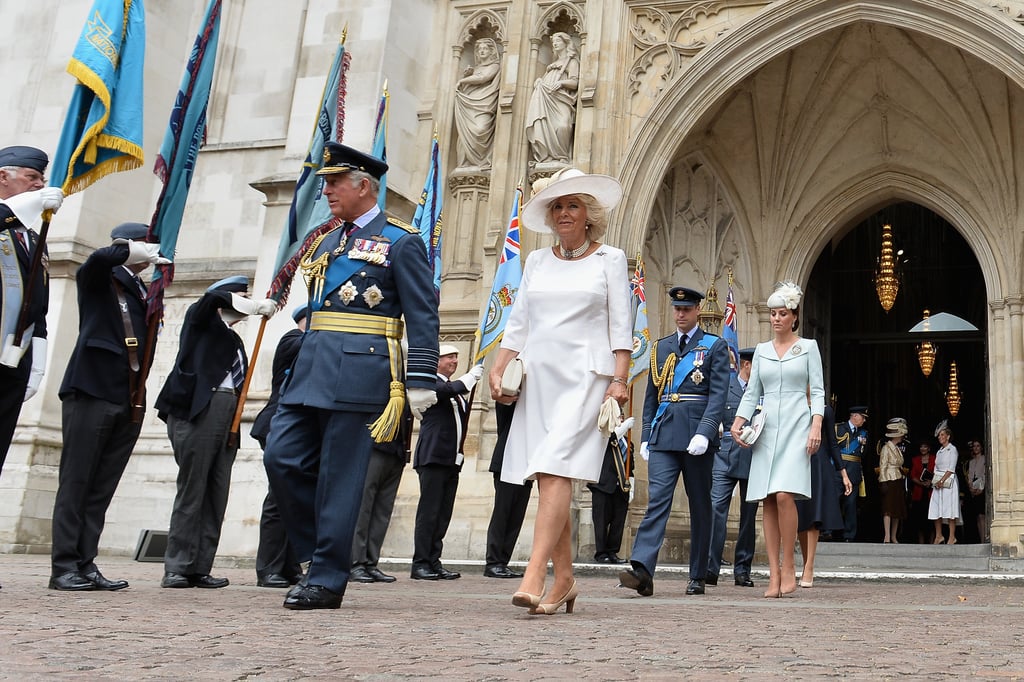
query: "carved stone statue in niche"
551, 115
476, 104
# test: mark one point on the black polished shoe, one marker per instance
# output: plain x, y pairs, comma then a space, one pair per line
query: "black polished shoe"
358, 574
602, 559
275, 580
637, 578
72, 581
711, 579
424, 573
448, 575
176, 580
380, 576
695, 587
206, 580
309, 597
743, 580
616, 559
101, 583
500, 571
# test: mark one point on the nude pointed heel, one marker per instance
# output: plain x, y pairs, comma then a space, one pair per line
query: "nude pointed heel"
569, 599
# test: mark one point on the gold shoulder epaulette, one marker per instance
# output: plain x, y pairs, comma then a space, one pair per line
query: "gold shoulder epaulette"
404, 225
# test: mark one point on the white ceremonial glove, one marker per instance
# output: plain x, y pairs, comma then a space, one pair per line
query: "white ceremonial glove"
143, 252
622, 428
609, 417
470, 378
698, 445
645, 454
35, 375
11, 355
267, 307
420, 399
52, 198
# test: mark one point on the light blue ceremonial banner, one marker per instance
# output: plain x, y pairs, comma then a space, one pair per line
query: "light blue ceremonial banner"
380, 143
640, 359
428, 219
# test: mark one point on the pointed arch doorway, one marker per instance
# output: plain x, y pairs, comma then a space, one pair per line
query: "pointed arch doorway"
871, 356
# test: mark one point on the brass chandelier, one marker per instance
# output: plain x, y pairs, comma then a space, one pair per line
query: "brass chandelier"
926, 351
887, 281
953, 396
710, 316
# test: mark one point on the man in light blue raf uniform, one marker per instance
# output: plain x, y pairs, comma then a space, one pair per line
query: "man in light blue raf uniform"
348, 385
683, 410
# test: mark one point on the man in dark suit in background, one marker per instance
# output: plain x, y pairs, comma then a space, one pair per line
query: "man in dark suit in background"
368, 279
276, 565
683, 410
438, 461
98, 394
23, 198
198, 403
852, 437
510, 503
732, 466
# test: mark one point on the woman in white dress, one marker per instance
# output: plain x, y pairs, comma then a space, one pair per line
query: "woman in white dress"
785, 371
944, 506
571, 326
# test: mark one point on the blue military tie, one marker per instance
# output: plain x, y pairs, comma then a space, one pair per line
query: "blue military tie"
238, 372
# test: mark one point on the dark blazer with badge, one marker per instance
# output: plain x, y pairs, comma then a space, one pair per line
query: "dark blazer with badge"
99, 363
440, 427
731, 459
358, 376
39, 303
206, 352
682, 420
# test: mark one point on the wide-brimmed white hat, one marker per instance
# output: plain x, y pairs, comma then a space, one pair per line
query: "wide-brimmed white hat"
604, 188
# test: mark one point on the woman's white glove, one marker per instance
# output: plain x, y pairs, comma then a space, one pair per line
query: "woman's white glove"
35, 375
698, 445
609, 417
470, 378
645, 453
420, 399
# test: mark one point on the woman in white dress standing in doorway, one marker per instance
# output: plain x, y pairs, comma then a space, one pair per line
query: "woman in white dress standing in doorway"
944, 507
571, 326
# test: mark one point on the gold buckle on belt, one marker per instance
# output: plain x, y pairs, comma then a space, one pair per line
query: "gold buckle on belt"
391, 327
673, 397
131, 341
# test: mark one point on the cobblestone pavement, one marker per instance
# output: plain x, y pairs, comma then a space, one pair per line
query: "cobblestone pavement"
467, 629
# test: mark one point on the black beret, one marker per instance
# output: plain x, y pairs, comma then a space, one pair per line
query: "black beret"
682, 296
24, 157
341, 159
134, 231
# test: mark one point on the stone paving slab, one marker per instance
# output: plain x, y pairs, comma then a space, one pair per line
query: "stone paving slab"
467, 629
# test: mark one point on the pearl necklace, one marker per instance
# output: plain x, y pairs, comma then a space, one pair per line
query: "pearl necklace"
569, 254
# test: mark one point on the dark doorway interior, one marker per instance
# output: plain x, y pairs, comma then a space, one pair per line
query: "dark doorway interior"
871, 358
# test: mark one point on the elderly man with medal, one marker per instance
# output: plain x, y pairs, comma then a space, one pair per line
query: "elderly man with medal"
369, 284
683, 410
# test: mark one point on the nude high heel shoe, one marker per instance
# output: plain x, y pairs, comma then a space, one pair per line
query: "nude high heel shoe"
569, 599
527, 600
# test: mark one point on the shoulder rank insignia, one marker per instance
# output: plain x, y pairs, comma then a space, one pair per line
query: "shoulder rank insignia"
404, 225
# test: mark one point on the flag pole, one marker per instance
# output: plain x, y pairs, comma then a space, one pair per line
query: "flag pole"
233, 436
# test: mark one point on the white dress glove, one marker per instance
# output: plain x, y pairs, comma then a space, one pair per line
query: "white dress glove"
622, 428
609, 417
35, 375
645, 453
52, 197
420, 399
143, 252
698, 445
11, 355
470, 378
267, 307
28, 207
248, 306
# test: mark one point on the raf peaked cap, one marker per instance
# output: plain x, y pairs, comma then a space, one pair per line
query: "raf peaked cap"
341, 159
747, 353
237, 284
24, 157
682, 296
859, 409
134, 231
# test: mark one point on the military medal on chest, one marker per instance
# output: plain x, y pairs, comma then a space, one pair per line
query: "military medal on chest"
697, 376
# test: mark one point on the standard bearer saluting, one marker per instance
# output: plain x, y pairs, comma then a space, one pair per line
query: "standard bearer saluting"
348, 385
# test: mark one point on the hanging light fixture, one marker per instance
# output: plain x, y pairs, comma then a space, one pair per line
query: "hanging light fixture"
887, 282
953, 394
926, 350
710, 316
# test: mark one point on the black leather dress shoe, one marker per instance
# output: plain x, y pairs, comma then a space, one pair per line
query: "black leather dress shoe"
380, 576
711, 579
448, 575
309, 597
424, 573
695, 587
637, 578
275, 580
743, 580
206, 580
501, 572
358, 574
602, 559
101, 583
616, 559
176, 580
72, 581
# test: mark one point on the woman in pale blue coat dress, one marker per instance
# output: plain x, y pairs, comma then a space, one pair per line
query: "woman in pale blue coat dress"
784, 370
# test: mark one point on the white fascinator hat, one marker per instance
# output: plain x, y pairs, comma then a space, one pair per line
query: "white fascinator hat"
605, 189
786, 295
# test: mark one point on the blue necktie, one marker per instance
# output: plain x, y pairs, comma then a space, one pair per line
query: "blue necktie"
238, 372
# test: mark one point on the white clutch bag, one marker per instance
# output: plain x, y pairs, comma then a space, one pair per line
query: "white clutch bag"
512, 378
753, 430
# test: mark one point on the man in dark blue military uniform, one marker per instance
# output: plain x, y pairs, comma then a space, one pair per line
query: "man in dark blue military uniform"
346, 387
683, 410
732, 466
852, 437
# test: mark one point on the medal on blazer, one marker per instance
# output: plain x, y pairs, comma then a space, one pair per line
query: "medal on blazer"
697, 376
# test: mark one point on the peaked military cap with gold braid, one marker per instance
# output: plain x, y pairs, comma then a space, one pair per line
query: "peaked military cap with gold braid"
339, 158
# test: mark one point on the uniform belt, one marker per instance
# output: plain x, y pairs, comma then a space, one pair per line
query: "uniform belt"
682, 397
390, 327
851, 458
224, 389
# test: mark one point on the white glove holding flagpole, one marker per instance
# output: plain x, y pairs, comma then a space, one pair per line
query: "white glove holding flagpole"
28, 207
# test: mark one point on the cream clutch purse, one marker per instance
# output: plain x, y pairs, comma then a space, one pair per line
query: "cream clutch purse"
512, 378
751, 431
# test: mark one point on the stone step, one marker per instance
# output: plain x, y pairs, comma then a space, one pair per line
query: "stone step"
887, 557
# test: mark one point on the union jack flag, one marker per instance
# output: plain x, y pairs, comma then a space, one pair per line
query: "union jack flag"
510, 249
729, 327
640, 358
